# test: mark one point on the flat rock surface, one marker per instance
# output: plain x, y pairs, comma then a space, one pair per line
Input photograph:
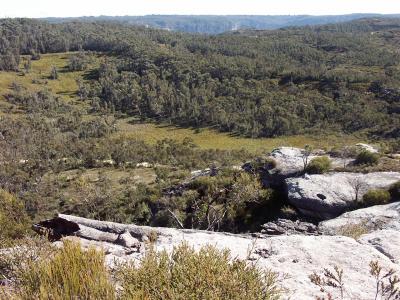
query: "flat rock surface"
294, 257
326, 196
290, 162
373, 218
386, 241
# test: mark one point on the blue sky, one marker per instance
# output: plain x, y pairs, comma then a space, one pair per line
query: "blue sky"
73, 8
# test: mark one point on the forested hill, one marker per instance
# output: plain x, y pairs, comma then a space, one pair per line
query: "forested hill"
343, 77
219, 24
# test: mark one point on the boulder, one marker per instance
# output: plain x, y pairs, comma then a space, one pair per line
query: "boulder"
326, 196
367, 147
127, 240
289, 160
288, 227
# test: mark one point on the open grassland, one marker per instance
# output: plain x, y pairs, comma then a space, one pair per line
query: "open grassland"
207, 138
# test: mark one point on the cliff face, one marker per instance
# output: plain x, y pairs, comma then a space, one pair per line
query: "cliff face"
294, 257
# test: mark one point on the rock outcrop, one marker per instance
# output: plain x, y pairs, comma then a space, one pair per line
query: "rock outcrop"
381, 224
290, 163
289, 227
373, 218
294, 257
328, 195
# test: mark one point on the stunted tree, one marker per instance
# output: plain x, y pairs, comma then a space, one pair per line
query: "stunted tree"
54, 73
358, 185
306, 156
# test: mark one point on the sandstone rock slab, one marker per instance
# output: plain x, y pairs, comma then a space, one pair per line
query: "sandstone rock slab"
326, 196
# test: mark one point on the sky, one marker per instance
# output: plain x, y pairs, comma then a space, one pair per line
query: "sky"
75, 8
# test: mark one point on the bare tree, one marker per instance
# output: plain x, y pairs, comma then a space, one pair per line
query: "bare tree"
306, 156
358, 185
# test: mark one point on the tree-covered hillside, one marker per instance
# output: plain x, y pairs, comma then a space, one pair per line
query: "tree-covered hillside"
342, 77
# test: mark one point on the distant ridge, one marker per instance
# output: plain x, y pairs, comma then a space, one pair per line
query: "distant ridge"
213, 24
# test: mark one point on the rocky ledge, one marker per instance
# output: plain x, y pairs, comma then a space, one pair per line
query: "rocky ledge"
293, 256
328, 195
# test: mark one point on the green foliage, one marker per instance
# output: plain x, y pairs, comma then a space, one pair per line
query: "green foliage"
78, 62
187, 274
14, 222
367, 158
376, 197
319, 165
394, 191
283, 82
71, 273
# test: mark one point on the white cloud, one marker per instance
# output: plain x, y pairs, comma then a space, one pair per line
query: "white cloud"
48, 8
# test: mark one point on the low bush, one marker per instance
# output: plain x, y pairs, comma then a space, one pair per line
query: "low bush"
13, 218
71, 273
367, 158
394, 191
187, 274
376, 197
353, 230
319, 165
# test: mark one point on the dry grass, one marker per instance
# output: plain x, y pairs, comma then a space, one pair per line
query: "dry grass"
208, 138
353, 230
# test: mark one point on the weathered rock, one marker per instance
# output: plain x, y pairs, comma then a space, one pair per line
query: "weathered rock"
288, 227
367, 147
144, 164
295, 256
127, 240
290, 162
372, 218
328, 195
386, 241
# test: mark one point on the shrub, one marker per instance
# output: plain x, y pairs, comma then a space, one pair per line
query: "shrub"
394, 191
71, 273
13, 218
367, 158
376, 197
187, 274
353, 230
319, 165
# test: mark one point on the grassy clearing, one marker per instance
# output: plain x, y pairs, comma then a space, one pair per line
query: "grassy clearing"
211, 139
118, 179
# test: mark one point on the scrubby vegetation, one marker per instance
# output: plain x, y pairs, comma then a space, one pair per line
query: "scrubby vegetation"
14, 222
394, 191
353, 230
376, 197
161, 276
69, 273
367, 158
72, 273
319, 165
